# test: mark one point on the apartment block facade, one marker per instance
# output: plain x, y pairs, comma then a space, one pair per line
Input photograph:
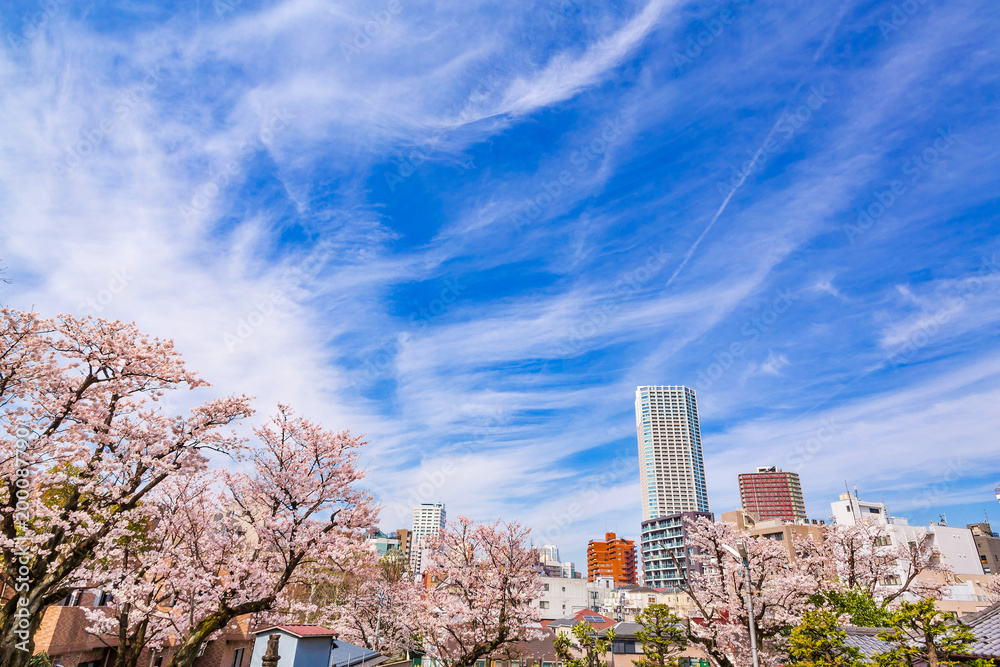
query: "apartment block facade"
671, 478
613, 557
771, 493
664, 539
671, 464
428, 519
988, 546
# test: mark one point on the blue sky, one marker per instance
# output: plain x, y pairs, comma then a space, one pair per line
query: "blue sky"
469, 230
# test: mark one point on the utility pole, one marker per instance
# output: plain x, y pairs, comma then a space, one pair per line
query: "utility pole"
741, 554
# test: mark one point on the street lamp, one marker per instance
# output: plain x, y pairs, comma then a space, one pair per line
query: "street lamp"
740, 553
378, 619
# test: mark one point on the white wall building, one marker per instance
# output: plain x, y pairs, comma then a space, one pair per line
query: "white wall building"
626, 602
428, 519
562, 597
957, 545
549, 553
849, 510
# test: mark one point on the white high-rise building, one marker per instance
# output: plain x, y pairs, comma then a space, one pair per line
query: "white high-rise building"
428, 519
549, 553
672, 468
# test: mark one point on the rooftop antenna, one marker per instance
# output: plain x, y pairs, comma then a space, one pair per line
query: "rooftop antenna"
850, 500
944, 519
856, 492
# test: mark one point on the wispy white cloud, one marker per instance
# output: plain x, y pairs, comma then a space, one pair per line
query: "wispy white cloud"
528, 375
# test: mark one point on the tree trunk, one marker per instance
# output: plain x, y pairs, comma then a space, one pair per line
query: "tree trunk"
130, 646
17, 633
932, 656
188, 651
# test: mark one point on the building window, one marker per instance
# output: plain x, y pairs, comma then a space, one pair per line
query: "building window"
543, 604
545, 587
238, 658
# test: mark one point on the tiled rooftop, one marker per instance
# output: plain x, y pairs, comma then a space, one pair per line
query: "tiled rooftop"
986, 625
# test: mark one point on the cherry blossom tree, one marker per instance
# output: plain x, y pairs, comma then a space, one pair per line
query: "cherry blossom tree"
718, 588
375, 605
861, 557
296, 511
481, 602
85, 446
992, 588
150, 572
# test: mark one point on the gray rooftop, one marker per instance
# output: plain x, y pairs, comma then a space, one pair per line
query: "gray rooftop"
865, 640
986, 625
351, 655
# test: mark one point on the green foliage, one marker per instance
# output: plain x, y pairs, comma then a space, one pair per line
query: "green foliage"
920, 631
592, 646
819, 642
860, 607
40, 660
662, 636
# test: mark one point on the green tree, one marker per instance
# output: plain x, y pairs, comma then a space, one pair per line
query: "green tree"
819, 642
858, 605
587, 641
662, 635
919, 631
40, 660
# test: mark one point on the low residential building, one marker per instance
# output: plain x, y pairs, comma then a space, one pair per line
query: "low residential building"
663, 540
539, 652
627, 649
985, 625
298, 645
987, 545
614, 557
625, 602
382, 544
957, 545
596, 620
562, 597
849, 510
786, 532
62, 635
403, 535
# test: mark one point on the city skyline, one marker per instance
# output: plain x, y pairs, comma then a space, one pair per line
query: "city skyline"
474, 249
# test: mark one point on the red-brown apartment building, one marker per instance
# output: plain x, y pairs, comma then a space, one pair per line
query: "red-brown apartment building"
614, 557
771, 493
